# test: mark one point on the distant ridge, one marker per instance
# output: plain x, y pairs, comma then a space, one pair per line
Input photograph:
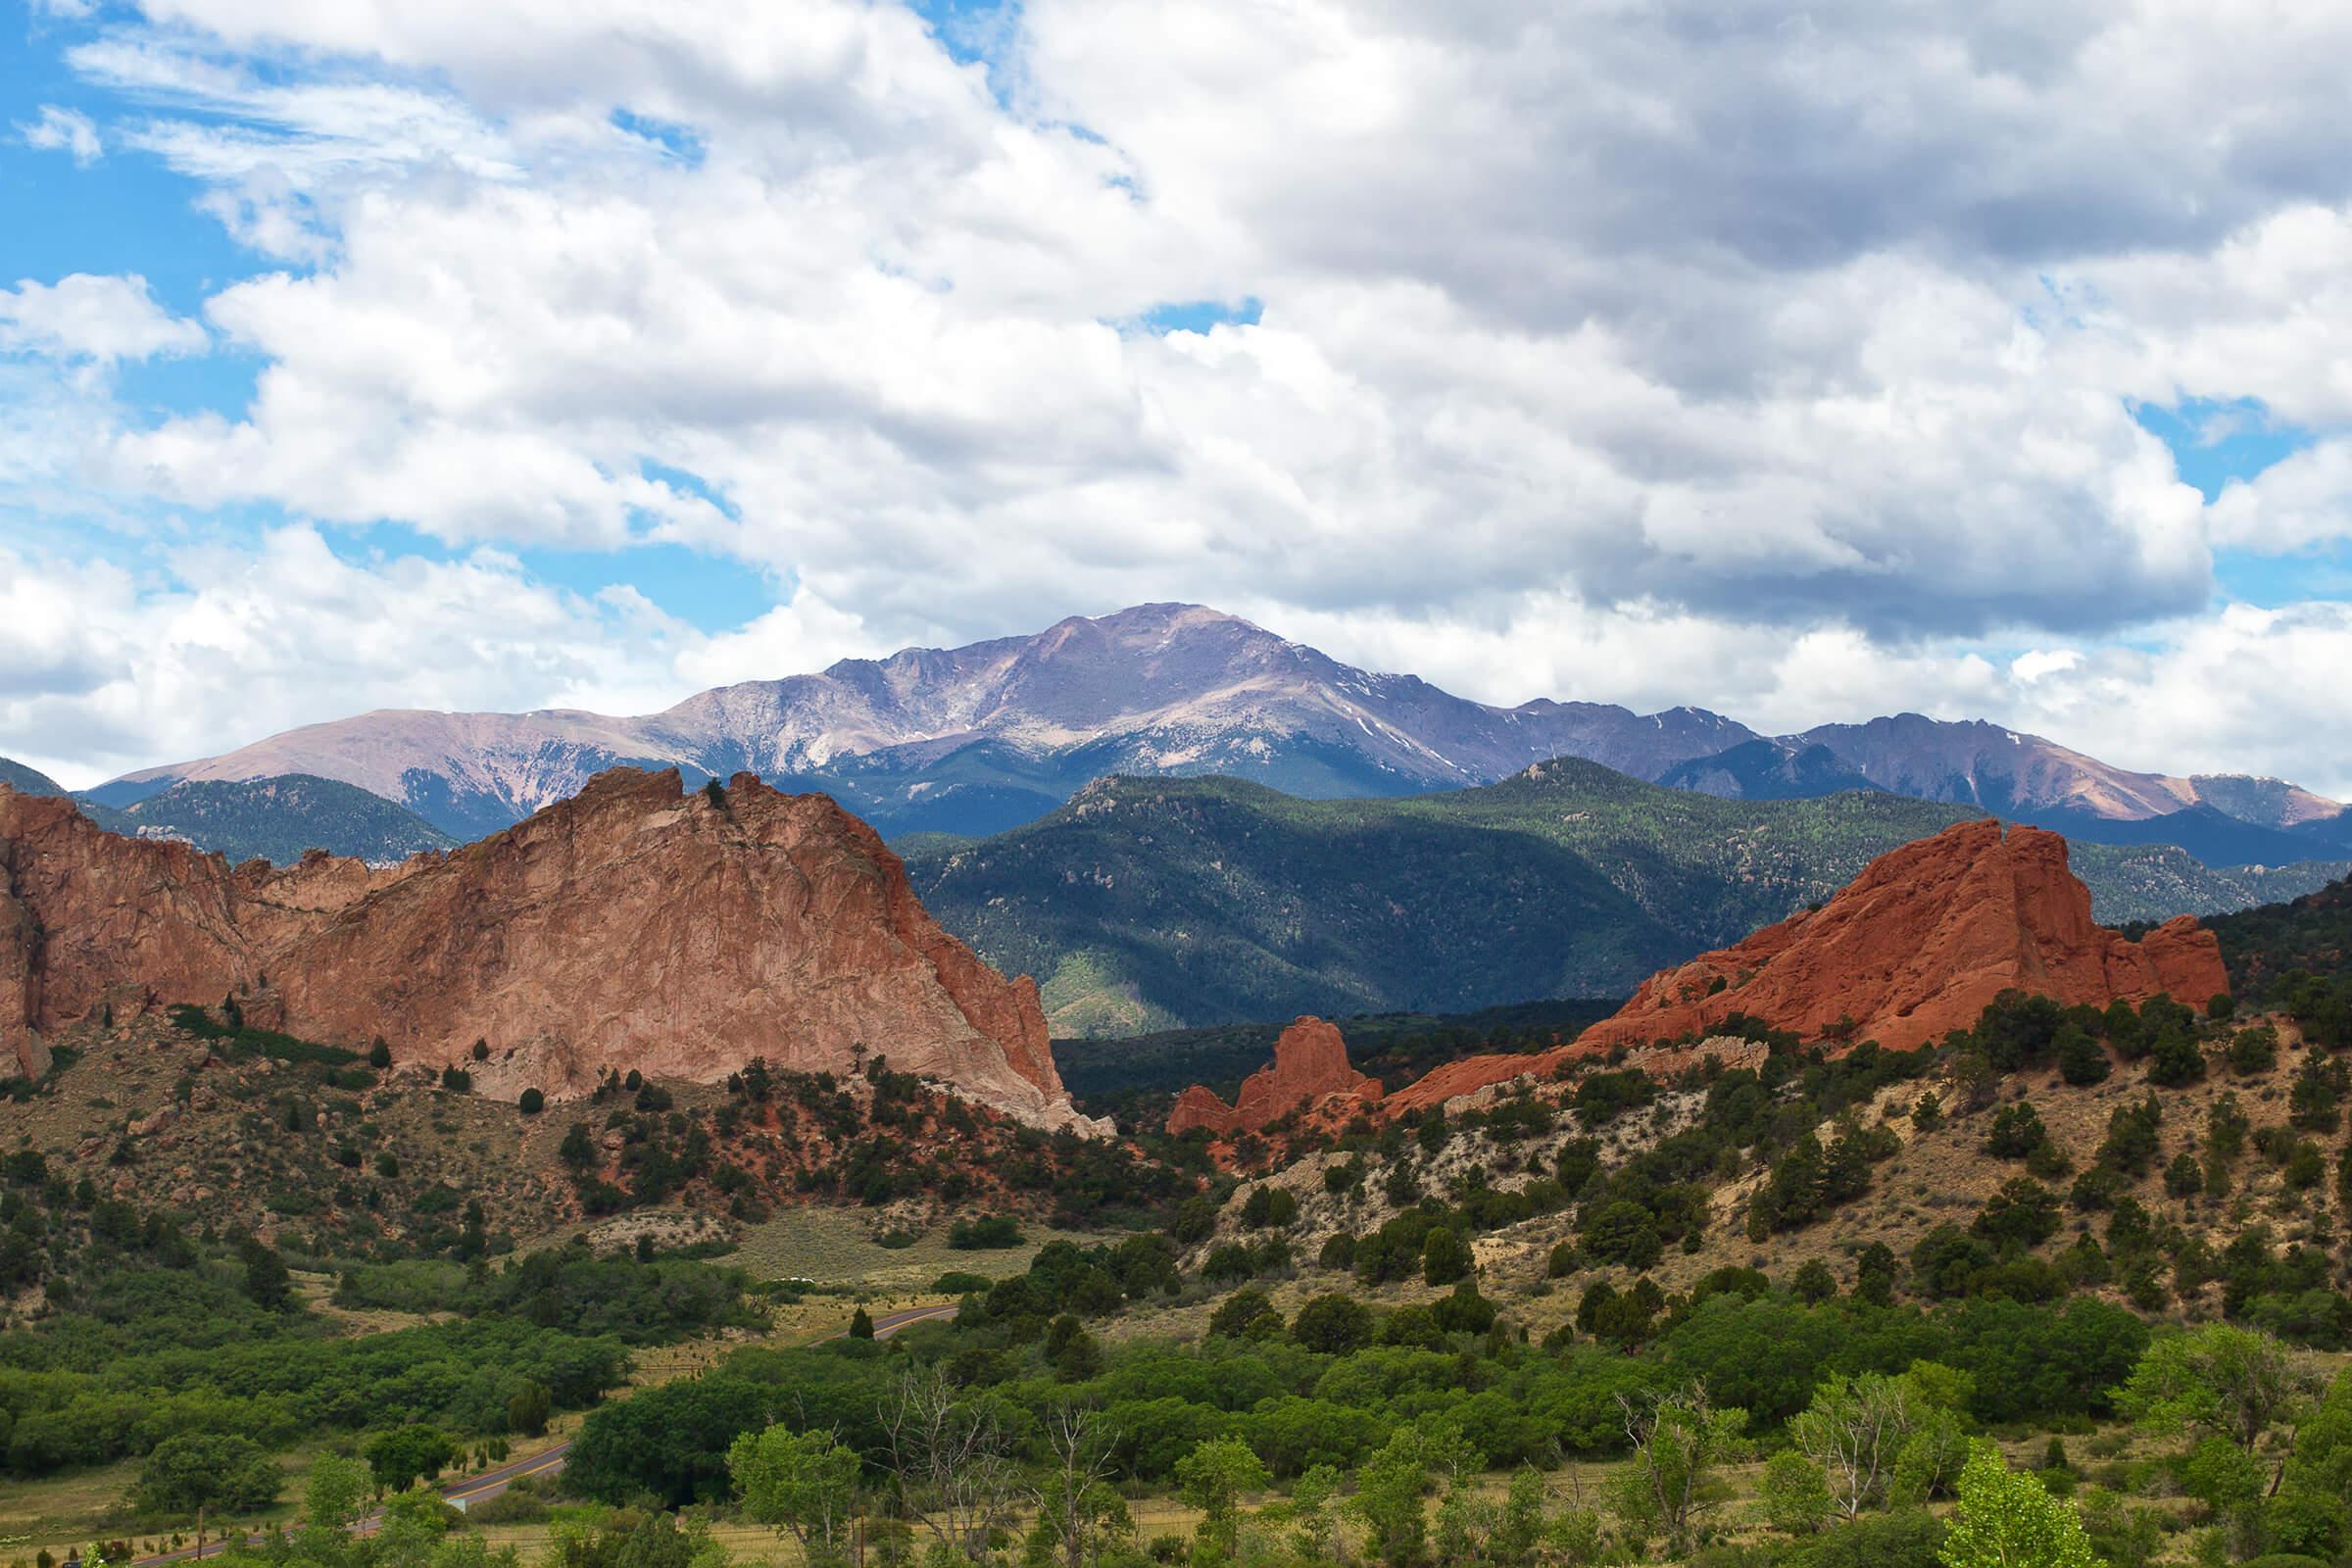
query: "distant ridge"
27, 780
278, 819
988, 736
1150, 904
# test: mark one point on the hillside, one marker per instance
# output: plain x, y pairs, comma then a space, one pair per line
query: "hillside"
337, 1153
278, 819
27, 780
2312, 932
1148, 905
2141, 884
2167, 1182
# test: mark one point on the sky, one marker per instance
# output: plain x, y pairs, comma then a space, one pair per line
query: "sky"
1973, 358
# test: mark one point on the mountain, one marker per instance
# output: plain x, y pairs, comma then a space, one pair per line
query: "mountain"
1157, 903
1972, 763
985, 737
2211, 835
278, 819
1764, 769
2268, 801
28, 781
630, 928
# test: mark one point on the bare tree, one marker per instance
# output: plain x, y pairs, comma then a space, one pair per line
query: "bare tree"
1077, 1508
1679, 1439
949, 1455
1855, 1429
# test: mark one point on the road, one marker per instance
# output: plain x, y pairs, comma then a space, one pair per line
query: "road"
471, 1490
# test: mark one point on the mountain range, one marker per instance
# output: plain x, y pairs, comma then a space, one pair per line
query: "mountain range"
986, 737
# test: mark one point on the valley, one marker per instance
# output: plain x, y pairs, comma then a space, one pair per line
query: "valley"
1248, 784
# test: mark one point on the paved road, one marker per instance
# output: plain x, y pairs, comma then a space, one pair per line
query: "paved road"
471, 1490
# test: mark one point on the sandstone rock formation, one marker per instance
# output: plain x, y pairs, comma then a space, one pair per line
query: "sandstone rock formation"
1472, 1077
1918, 944
1909, 950
632, 926
1470, 1074
1309, 1072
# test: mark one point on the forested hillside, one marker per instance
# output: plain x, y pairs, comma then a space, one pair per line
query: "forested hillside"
1154, 903
277, 819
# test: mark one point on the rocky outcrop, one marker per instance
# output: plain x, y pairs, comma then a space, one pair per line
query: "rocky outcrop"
1309, 1073
633, 926
1468, 1075
1909, 950
1917, 945
1472, 1077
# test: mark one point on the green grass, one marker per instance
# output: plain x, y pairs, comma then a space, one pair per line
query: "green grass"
841, 1247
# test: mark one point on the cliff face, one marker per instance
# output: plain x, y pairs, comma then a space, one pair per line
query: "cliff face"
1309, 1067
88, 918
630, 926
1918, 944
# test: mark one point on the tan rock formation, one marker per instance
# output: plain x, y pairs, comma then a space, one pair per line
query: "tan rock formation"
1309, 1072
632, 926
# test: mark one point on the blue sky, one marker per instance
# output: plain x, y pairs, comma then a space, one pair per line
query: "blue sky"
448, 358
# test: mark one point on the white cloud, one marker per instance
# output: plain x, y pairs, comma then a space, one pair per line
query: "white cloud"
1674, 353
100, 319
103, 668
65, 131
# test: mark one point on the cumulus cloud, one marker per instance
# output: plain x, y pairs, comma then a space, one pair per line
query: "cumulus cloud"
1693, 352
103, 668
100, 319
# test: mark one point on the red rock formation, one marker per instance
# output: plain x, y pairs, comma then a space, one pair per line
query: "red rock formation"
1469, 1075
1918, 944
1310, 1070
630, 926
1909, 950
